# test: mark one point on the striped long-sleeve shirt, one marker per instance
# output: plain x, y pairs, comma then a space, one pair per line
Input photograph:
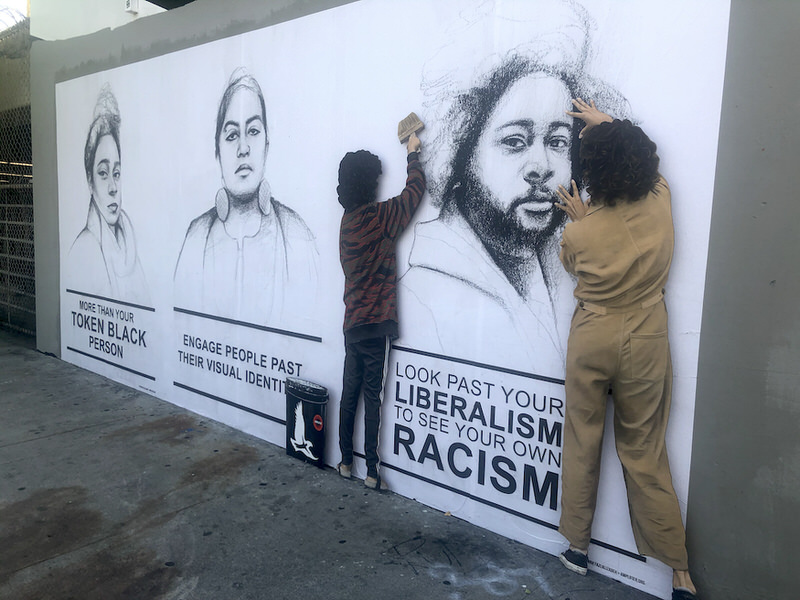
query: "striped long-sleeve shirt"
367, 240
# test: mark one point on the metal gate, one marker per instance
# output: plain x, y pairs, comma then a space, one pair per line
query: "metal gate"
17, 286
17, 283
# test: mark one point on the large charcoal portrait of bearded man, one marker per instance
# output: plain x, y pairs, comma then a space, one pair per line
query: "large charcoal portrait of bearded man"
484, 280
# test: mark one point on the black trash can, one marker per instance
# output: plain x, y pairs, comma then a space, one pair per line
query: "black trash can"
306, 405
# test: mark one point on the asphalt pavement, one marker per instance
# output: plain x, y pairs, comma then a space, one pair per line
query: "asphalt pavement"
108, 493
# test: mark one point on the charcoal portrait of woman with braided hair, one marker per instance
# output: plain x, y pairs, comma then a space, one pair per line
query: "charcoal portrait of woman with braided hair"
103, 257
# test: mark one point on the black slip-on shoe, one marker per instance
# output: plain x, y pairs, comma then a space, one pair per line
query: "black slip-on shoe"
575, 561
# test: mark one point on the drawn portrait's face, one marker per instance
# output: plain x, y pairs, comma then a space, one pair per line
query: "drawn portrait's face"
243, 144
523, 154
106, 189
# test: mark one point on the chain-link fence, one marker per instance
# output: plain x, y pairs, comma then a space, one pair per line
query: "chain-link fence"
17, 288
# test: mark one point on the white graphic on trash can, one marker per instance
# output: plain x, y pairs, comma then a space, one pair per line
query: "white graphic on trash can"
299, 441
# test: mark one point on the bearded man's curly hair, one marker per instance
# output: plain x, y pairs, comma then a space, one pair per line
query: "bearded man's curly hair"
618, 162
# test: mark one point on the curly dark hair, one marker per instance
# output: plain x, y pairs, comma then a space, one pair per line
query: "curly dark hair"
358, 179
619, 162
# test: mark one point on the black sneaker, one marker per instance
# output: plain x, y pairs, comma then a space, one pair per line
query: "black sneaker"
574, 561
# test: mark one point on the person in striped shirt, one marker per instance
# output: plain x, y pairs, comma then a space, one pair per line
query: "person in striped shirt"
367, 240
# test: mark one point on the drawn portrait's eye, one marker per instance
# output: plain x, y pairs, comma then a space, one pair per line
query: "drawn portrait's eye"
232, 135
102, 172
116, 173
254, 130
514, 142
558, 142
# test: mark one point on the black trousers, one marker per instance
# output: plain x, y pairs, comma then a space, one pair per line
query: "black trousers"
365, 367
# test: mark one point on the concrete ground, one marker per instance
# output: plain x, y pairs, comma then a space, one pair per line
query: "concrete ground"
108, 493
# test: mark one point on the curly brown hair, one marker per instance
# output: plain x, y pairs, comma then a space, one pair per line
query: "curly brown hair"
619, 162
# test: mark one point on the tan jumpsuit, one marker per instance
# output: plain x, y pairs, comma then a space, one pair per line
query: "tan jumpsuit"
621, 256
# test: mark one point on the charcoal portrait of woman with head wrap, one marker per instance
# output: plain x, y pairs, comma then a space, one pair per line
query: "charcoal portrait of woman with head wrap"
249, 257
103, 257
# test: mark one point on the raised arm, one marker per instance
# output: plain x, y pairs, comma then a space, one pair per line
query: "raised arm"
397, 211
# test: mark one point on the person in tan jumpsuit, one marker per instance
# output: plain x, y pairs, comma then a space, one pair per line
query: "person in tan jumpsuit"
619, 247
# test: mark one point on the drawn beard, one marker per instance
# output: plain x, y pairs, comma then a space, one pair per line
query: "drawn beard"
502, 230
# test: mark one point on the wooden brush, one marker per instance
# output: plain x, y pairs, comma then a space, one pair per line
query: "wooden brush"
411, 124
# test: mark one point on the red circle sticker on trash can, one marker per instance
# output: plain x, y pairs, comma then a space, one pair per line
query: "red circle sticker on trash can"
318, 422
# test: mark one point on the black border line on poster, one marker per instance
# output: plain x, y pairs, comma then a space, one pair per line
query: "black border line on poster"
302, 336
505, 509
115, 301
481, 365
229, 403
113, 364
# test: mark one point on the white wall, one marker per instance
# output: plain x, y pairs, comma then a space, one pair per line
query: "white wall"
64, 19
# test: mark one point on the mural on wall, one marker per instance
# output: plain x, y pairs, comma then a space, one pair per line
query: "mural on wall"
503, 146
232, 282
249, 255
246, 278
106, 302
104, 252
